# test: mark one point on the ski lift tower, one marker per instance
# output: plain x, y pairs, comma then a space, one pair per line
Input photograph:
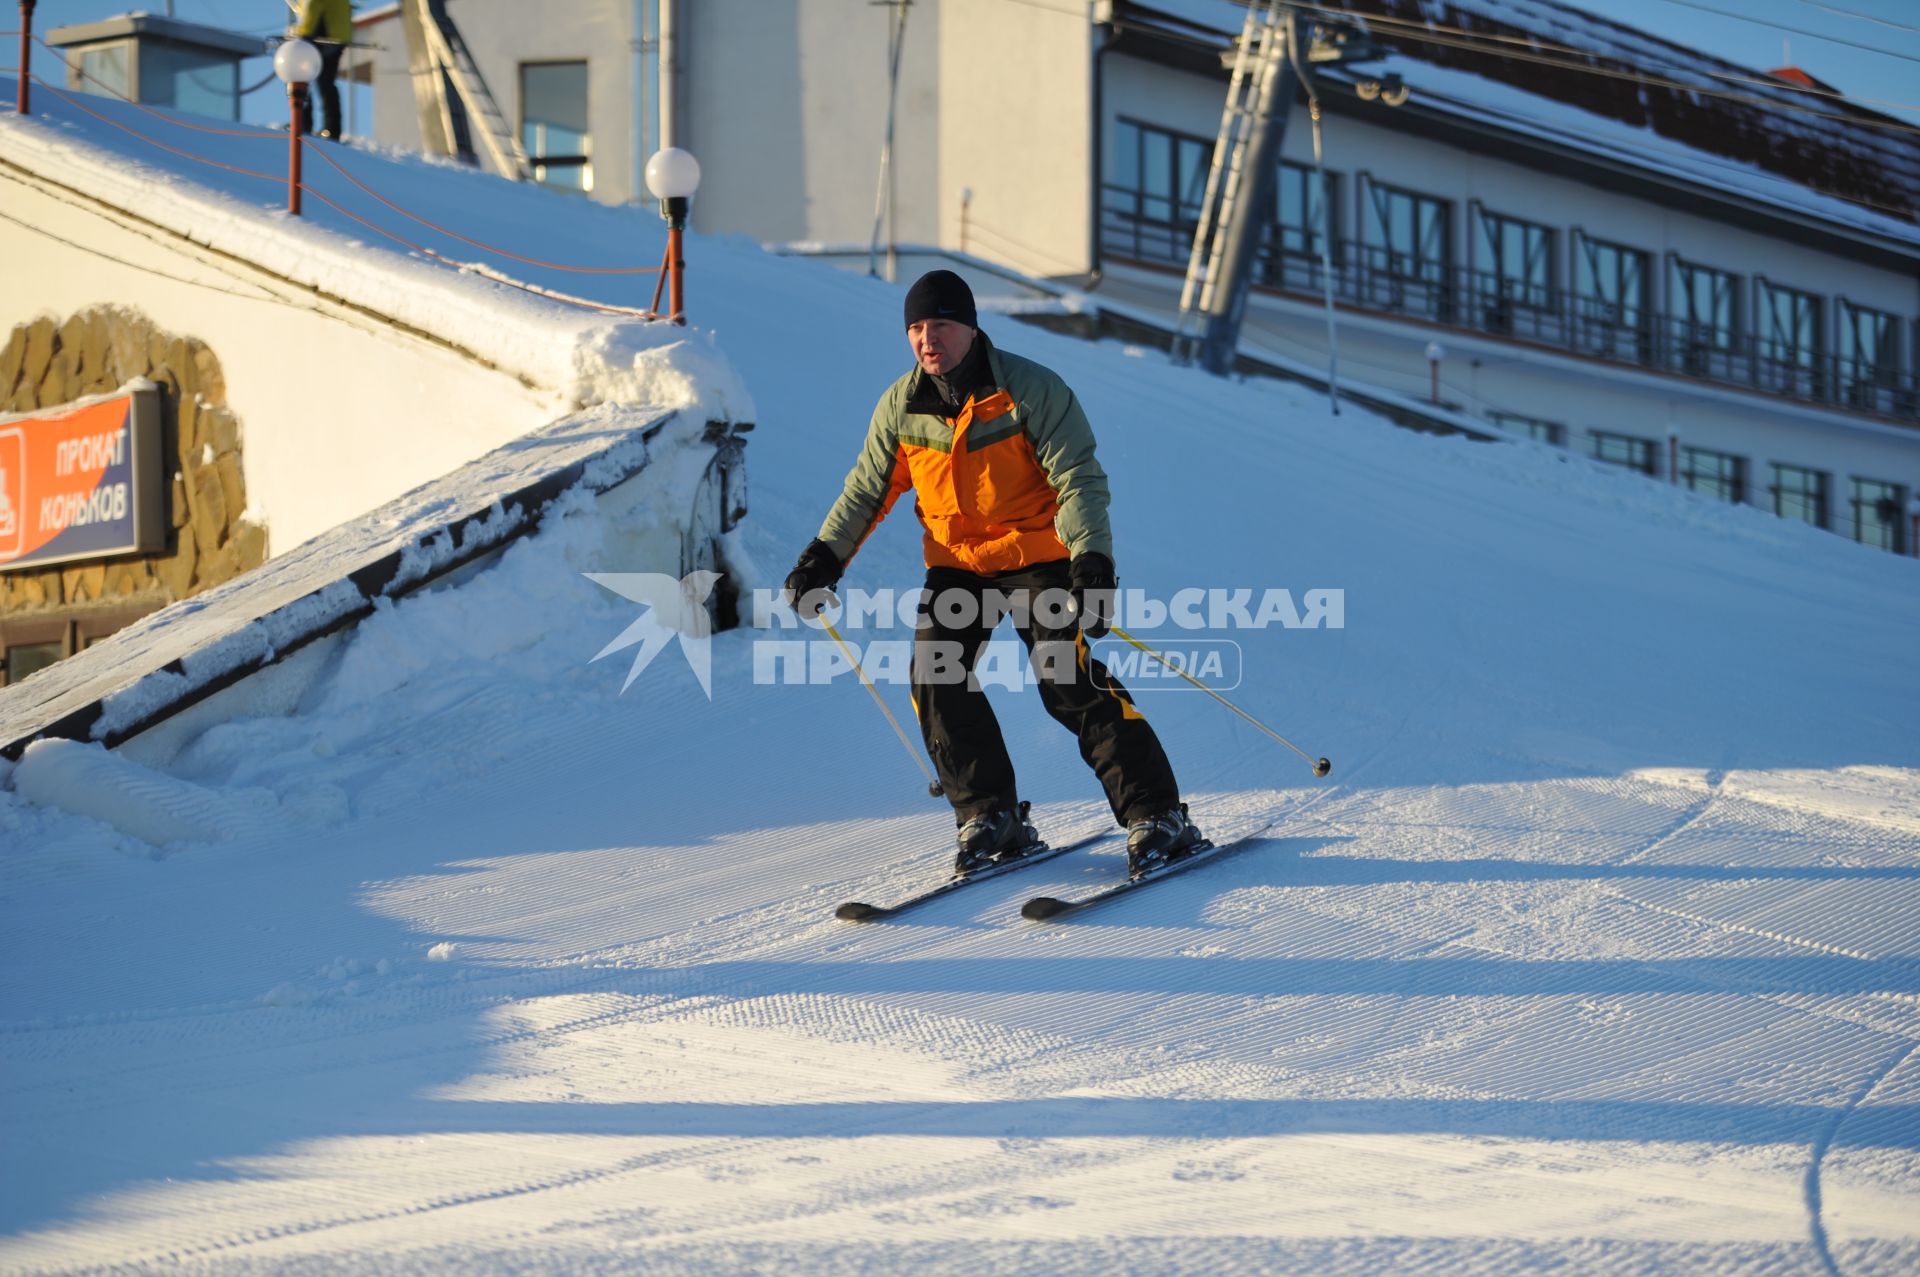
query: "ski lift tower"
1277, 47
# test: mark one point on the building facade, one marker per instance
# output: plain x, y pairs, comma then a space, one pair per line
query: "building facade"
1706, 273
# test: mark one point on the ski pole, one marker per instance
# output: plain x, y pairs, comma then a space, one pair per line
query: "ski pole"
1320, 767
933, 783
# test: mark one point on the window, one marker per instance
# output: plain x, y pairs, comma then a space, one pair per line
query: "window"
1720, 475
1867, 342
1704, 306
189, 81
107, 70
1154, 186
1610, 303
1529, 427
1625, 450
1799, 493
1407, 245
1876, 514
553, 123
1788, 329
29, 658
1296, 221
1514, 269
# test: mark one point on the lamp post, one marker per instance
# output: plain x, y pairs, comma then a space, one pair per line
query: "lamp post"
673, 175
296, 62
26, 51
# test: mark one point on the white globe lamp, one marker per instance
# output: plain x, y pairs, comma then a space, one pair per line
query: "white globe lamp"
296, 62
673, 175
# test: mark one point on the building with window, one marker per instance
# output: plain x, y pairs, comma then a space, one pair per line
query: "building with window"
1705, 272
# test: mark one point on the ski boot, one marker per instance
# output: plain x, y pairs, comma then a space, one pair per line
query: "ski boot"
1160, 840
994, 839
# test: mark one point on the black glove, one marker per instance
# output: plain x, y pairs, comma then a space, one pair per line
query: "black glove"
1093, 590
819, 569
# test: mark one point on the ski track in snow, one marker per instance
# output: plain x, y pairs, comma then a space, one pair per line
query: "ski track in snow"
1598, 951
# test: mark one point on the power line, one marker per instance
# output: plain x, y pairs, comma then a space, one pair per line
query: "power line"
1680, 85
1864, 17
1419, 30
1775, 26
1475, 42
1726, 164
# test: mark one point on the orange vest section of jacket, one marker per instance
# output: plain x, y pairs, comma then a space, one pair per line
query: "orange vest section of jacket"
986, 504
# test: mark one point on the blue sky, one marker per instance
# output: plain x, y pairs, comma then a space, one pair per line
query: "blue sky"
1888, 68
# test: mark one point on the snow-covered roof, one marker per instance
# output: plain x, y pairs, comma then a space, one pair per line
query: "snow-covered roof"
174, 657
1638, 98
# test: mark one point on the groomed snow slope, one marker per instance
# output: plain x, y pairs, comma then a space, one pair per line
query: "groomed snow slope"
1599, 949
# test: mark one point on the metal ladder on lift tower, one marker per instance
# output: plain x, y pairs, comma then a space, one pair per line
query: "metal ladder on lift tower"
441, 59
1261, 55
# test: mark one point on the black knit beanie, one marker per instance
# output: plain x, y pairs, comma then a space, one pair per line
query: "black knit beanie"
941, 294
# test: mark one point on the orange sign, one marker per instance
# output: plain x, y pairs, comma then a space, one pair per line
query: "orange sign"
83, 483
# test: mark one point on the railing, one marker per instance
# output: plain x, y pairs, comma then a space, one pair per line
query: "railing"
1374, 278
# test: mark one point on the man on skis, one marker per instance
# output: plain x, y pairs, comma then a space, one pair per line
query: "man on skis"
1001, 460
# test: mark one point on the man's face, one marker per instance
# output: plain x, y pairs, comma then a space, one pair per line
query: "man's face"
940, 344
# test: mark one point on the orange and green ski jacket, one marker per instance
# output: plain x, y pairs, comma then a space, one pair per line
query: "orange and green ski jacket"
1008, 481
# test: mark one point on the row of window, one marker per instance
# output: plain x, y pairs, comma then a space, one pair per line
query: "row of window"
1877, 509
1716, 323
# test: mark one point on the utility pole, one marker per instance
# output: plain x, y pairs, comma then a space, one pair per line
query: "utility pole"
883, 195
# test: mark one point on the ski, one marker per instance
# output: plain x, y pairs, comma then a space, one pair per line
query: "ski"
1047, 908
860, 911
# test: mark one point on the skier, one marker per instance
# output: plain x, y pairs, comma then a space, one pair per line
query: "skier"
329, 25
1001, 460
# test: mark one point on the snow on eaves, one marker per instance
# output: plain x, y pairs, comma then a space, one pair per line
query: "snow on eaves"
1725, 125
177, 652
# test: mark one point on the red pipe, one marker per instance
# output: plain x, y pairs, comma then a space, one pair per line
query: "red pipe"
297, 98
676, 297
26, 51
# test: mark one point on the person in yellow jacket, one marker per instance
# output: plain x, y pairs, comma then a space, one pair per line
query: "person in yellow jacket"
1000, 457
329, 24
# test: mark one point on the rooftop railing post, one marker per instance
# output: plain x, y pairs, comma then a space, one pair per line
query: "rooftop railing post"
296, 62
22, 99
297, 100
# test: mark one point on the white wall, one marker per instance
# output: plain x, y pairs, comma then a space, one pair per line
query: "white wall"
339, 413
786, 105
783, 101
1016, 125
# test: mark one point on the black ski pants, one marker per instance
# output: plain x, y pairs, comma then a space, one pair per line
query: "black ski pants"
963, 738
326, 86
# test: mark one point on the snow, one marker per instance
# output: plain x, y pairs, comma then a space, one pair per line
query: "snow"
1781, 111
1598, 951
139, 671
1474, 97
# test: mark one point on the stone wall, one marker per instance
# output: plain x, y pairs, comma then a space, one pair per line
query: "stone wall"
47, 363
